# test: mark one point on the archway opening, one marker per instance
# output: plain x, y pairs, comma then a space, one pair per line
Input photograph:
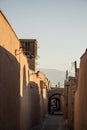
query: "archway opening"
54, 105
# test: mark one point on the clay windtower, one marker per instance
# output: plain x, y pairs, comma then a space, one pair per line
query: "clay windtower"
30, 50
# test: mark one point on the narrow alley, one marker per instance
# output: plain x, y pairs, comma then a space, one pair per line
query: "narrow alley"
28, 100
53, 122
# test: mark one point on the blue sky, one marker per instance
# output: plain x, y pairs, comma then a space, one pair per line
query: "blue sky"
60, 26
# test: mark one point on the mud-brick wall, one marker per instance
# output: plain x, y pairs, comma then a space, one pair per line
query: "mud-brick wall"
9, 77
30, 106
70, 89
80, 116
43, 86
24, 94
35, 104
20, 98
40, 100
8, 38
43, 103
9, 91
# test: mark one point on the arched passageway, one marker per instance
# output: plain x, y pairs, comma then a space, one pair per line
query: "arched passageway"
54, 105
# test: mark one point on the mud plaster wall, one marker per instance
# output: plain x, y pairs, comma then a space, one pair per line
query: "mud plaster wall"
80, 120
20, 93
9, 78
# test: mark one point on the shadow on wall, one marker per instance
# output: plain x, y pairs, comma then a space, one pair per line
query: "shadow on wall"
9, 91
43, 101
35, 103
30, 103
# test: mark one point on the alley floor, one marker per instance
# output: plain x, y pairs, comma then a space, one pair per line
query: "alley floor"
53, 122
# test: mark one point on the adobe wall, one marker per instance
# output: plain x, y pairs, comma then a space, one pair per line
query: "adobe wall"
70, 89
8, 38
9, 90
14, 80
33, 103
25, 103
81, 97
9, 78
41, 109
21, 95
71, 95
43, 103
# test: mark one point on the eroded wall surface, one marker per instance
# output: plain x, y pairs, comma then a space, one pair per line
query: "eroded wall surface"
81, 96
